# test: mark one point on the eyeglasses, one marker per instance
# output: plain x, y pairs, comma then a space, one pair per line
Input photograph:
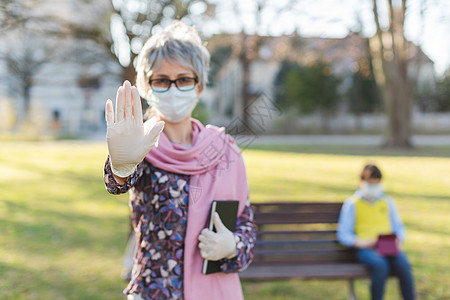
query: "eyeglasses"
183, 84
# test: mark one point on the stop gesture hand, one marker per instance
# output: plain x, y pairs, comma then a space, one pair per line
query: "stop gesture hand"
129, 139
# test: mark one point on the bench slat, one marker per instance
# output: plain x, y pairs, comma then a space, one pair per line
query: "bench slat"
295, 218
298, 240
262, 243
298, 206
292, 253
308, 232
283, 261
329, 271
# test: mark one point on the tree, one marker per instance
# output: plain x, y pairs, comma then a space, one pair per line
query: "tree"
13, 13
363, 94
286, 95
389, 50
443, 97
27, 47
218, 56
135, 21
310, 89
24, 61
247, 49
131, 22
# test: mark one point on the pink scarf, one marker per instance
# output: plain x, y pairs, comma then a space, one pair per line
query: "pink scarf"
217, 173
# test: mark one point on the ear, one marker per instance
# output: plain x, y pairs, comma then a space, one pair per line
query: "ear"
199, 90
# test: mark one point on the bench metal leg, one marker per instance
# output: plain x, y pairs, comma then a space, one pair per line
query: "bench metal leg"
351, 290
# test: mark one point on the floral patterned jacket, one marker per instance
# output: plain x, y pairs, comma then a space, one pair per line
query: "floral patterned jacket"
159, 205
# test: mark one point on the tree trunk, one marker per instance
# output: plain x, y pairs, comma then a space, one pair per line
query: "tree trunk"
390, 61
397, 98
245, 62
129, 72
26, 94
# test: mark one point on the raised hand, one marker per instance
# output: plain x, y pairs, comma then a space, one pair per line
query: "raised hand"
128, 138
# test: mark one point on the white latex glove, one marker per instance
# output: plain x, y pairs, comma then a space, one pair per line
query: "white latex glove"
217, 245
129, 139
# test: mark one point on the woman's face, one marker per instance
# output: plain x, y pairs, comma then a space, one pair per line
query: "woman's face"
173, 71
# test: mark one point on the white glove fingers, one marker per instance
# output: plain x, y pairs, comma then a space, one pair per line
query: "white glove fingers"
109, 113
207, 235
137, 107
149, 124
205, 247
217, 245
202, 238
218, 222
205, 255
120, 104
157, 128
128, 101
152, 131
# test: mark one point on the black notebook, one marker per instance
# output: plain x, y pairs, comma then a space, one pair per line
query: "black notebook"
227, 211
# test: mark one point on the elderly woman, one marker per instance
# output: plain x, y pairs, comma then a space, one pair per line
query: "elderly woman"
174, 168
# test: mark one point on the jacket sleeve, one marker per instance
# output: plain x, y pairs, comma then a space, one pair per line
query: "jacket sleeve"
396, 222
245, 236
112, 186
346, 224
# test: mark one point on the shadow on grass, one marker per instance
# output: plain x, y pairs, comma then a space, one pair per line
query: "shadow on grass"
414, 226
90, 184
418, 197
46, 229
62, 234
442, 151
294, 289
60, 254
291, 186
54, 283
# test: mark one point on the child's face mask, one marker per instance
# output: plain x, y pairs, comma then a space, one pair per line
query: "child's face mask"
372, 191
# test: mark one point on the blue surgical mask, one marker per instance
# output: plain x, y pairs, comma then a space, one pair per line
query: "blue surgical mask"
174, 105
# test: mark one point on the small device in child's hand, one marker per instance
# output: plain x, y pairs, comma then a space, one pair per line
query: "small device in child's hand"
387, 245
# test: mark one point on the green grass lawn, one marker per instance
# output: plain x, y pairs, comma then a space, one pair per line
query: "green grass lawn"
62, 235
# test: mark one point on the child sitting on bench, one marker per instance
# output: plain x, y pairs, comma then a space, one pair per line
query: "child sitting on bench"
366, 215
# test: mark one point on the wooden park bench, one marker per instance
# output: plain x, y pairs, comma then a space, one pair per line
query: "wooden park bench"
298, 240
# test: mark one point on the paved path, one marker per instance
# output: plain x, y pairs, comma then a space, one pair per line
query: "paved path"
362, 140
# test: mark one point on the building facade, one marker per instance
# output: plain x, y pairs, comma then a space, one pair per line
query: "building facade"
345, 57
53, 82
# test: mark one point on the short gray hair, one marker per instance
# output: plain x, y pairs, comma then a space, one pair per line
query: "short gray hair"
177, 43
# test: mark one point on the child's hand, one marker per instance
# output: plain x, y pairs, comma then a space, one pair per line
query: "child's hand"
398, 244
365, 244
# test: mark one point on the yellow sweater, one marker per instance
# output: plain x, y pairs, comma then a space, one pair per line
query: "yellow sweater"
371, 219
